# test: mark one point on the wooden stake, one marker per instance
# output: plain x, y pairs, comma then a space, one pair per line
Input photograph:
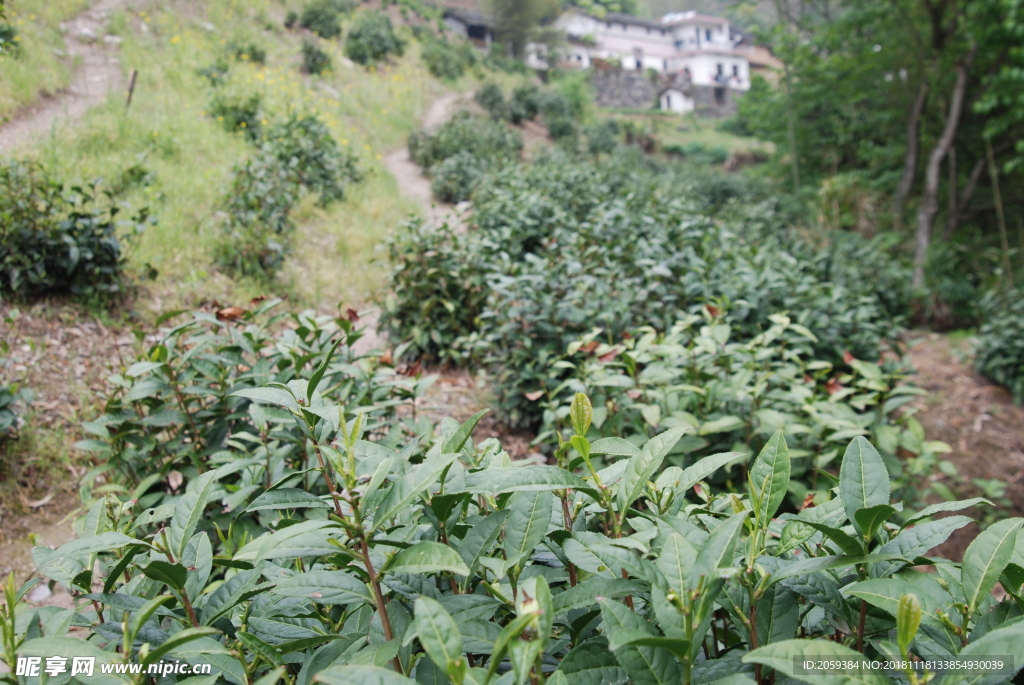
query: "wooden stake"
131, 86
994, 174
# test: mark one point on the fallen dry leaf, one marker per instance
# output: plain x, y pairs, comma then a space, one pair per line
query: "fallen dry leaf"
230, 314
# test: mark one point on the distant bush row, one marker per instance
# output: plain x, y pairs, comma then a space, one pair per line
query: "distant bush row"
370, 39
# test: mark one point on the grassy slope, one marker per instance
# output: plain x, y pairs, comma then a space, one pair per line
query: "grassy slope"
168, 129
37, 69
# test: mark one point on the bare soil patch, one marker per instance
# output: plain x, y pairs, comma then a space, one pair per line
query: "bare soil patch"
975, 417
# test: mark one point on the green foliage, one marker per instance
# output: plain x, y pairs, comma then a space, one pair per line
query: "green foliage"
257, 226
250, 52
239, 113
322, 18
178, 406
699, 153
8, 39
464, 132
314, 59
446, 60
602, 137
12, 398
625, 242
734, 393
305, 145
455, 178
1000, 349
437, 295
525, 103
298, 156
492, 100
291, 19
336, 550
59, 239
372, 39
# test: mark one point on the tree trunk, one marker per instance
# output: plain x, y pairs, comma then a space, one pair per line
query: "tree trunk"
1000, 218
910, 161
930, 195
953, 220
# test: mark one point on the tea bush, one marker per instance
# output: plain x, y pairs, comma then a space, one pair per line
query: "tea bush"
371, 39
60, 239
239, 113
445, 60
1000, 348
257, 227
297, 156
251, 52
307, 146
624, 242
9, 44
314, 60
322, 18
699, 153
524, 104
437, 294
602, 137
479, 137
173, 409
455, 178
313, 548
11, 396
736, 395
291, 19
492, 100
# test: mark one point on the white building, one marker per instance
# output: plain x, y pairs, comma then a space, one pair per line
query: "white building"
698, 46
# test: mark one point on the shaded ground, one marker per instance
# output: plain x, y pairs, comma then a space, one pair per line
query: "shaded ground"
977, 419
99, 73
63, 354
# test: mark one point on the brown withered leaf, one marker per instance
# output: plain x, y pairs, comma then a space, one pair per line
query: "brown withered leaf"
808, 501
534, 396
833, 386
230, 314
256, 300
589, 347
713, 311
847, 357
386, 358
609, 355
352, 315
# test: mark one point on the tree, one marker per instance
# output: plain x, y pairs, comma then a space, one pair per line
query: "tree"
515, 20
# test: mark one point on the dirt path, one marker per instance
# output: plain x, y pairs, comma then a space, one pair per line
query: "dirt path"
411, 181
98, 74
977, 419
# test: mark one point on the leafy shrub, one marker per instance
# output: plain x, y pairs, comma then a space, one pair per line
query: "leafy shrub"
436, 294
733, 393
321, 17
314, 60
625, 242
257, 226
10, 397
562, 129
492, 100
58, 239
455, 178
1000, 348
239, 113
371, 39
446, 562
447, 61
525, 103
602, 137
699, 153
9, 44
297, 156
216, 74
304, 145
291, 19
174, 409
464, 133
251, 52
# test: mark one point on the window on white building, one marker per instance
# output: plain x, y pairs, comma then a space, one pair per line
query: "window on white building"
736, 70
707, 34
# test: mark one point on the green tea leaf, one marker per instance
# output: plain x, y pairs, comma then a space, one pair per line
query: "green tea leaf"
324, 587
770, 475
438, 633
528, 521
428, 557
863, 479
985, 559
361, 675
522, 479
287, 498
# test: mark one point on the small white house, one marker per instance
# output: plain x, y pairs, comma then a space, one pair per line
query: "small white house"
672, 99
